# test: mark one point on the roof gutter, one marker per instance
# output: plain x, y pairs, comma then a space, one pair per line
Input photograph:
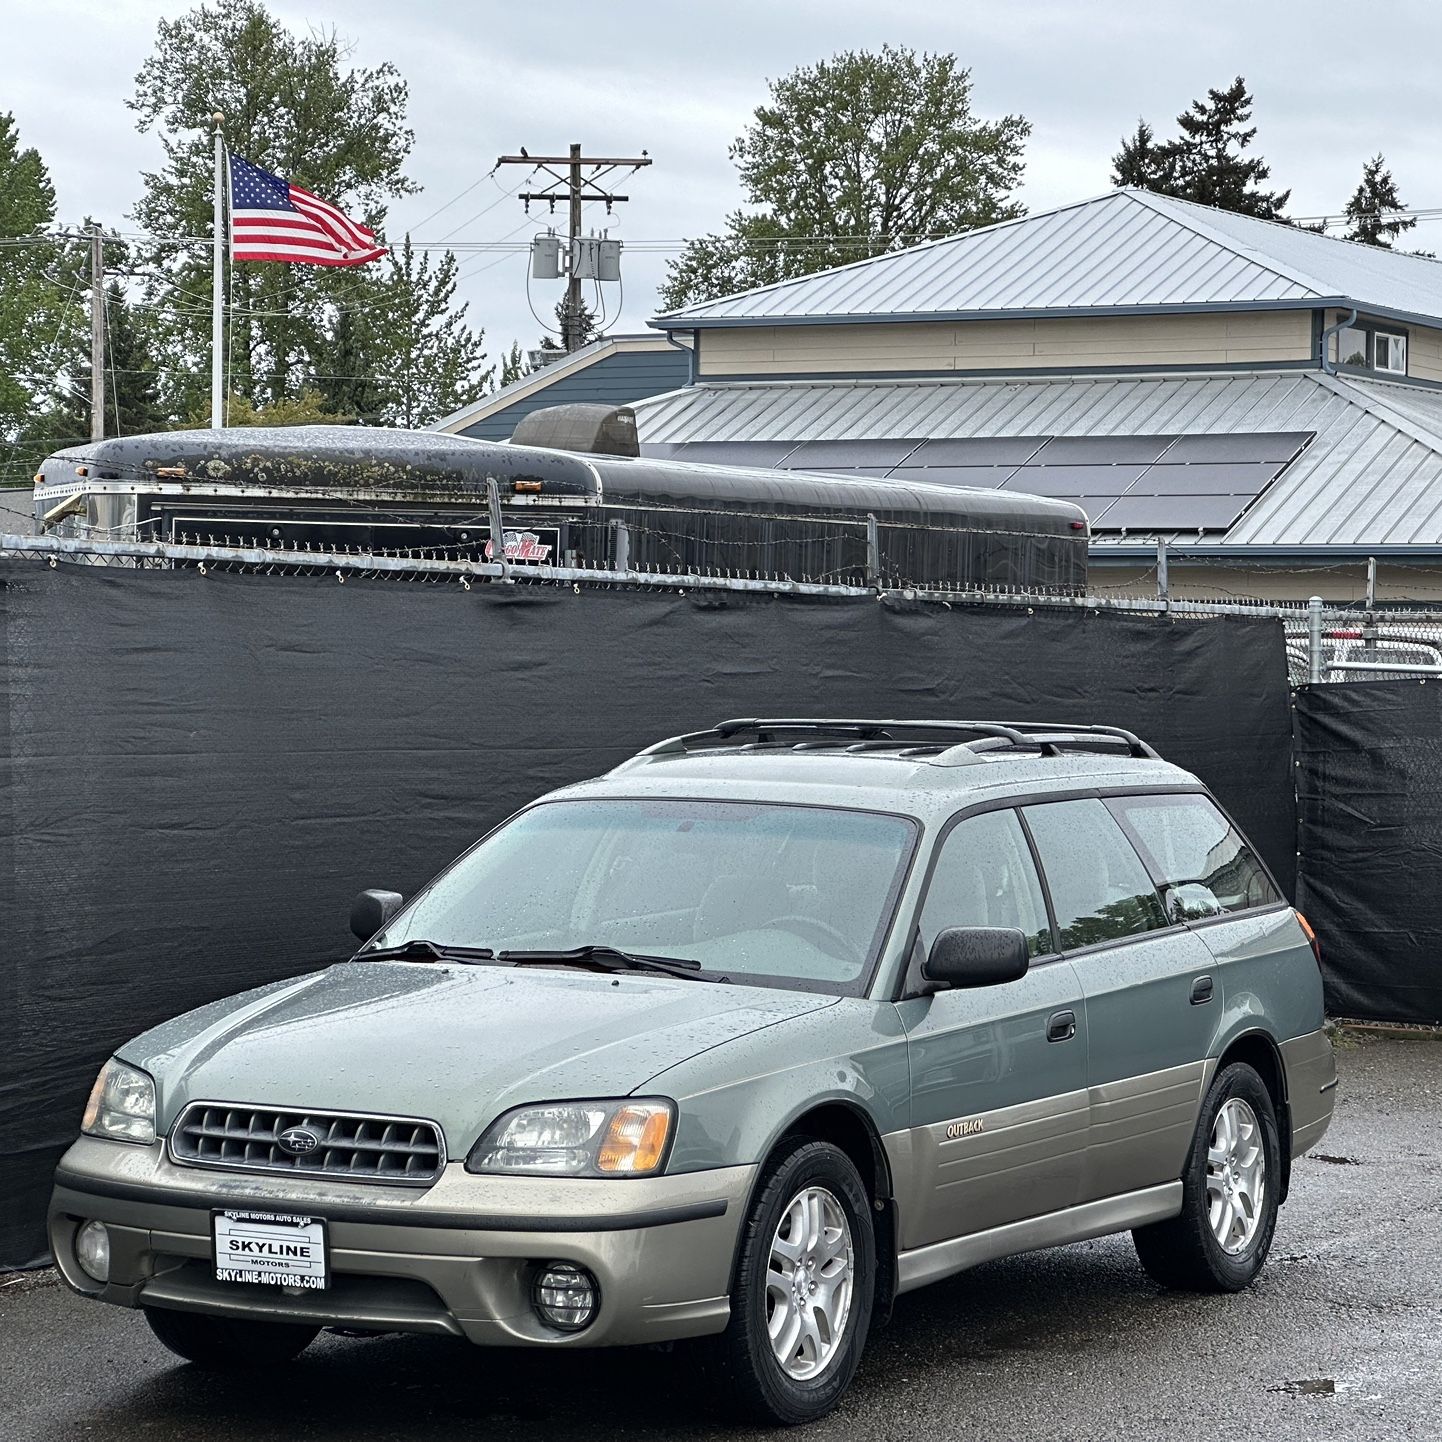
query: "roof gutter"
1329, 332
1181, 553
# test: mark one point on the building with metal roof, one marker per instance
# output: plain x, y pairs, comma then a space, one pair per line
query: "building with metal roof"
1264, 400
612, 370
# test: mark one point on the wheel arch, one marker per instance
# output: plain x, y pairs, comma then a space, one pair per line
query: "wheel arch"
850, 1128
1258, 1049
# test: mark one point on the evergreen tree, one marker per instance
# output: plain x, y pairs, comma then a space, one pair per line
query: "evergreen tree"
132, 396
1206, 163
292, 105
513, 365
586, 330
1142, 164
345, 383
42, 307
425, 360
1372, 207
877, 148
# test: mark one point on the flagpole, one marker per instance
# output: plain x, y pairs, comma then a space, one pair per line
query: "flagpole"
217, 315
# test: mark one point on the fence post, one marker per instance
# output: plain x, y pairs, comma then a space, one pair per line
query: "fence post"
1371, 582
1314, 640
873, 553
1162, 582
498, 528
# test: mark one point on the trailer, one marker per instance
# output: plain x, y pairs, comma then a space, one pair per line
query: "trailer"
395, 493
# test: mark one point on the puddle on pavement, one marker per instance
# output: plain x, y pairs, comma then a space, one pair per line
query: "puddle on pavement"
1307, 1387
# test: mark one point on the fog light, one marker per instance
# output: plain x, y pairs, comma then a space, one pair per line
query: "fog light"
565, 1296
92, 1251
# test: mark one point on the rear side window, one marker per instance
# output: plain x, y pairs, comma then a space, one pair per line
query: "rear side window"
984, 876
1199, 857
1100, 889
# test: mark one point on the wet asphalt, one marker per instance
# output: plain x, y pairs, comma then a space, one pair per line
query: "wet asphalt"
1340, 1338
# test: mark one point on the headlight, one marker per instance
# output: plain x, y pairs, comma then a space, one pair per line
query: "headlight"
577, 1139
121, 1105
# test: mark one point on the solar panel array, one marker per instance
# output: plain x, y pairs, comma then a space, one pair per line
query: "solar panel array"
1123, 483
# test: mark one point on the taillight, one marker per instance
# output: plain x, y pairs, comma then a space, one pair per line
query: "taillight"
1310, 935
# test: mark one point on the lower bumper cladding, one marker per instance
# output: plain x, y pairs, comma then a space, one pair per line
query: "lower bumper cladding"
461, 1258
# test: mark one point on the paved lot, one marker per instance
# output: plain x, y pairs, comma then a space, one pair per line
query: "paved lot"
1342, 1338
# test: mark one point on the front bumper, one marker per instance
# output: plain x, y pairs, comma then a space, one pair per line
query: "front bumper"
457, 1258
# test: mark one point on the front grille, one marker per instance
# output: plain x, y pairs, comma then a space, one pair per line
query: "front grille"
348, 1145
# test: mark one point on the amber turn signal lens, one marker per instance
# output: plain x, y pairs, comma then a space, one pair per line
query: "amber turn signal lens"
527, 488
636, 1139
1309, 934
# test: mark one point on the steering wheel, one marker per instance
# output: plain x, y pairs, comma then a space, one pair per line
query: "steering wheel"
821, 934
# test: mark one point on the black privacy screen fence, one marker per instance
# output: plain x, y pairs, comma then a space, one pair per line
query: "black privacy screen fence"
1369, 822
197, 773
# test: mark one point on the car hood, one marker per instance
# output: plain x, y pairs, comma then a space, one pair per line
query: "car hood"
455, 1044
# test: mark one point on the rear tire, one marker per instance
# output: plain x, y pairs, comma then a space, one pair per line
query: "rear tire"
1220, 1239
801, 1298
228, 1344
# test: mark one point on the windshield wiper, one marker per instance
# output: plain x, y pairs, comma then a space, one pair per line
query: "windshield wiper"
419, 949
610, 958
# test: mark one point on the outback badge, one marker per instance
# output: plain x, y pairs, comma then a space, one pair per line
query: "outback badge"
968, 1128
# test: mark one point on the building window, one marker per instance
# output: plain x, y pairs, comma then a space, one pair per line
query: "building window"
1389, 353
1351, 347
1365, 348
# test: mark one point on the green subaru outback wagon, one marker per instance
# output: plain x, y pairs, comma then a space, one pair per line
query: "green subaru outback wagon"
769, 1025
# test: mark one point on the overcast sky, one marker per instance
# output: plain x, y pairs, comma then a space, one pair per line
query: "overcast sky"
1335, 81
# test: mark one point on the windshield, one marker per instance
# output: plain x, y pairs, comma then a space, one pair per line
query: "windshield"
776, 895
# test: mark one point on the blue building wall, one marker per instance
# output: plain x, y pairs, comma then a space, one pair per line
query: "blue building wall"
616, 380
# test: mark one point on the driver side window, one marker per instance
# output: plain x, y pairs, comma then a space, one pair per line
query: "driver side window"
984, 876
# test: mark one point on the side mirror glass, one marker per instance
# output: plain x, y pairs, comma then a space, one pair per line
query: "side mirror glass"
1191, 901
371, 910
966, 956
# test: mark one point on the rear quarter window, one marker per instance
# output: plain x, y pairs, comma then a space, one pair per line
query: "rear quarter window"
1200, 860
1100, 890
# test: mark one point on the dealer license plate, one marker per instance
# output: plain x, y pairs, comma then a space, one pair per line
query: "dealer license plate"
271, 1248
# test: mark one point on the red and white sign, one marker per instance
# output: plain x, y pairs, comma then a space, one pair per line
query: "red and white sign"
522, 546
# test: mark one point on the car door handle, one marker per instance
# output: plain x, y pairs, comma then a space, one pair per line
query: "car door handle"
1201, 991
1061, 1026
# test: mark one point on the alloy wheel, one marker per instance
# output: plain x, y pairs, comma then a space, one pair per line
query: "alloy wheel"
809, 1279
1236, 1176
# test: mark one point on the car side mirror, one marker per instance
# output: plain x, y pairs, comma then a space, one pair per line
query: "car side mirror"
966, 956
371, 910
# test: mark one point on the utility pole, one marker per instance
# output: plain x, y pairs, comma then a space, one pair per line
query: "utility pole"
97, 332
579, 182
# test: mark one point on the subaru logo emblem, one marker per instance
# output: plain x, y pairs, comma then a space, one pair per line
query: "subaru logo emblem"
297, 1141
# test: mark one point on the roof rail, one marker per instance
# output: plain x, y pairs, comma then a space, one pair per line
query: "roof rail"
816, 733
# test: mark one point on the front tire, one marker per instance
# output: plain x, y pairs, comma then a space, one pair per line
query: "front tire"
228, 1344
1220, 1240
802, 1294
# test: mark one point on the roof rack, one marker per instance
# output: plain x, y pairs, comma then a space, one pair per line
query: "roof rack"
938, 740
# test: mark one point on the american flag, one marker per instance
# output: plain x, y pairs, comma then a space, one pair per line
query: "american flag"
271, 219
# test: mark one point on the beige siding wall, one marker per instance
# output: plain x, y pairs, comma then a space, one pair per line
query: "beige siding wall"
1424, 344
1338, 582
1424, 353
1238, 338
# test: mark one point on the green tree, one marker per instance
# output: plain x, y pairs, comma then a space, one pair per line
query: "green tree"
345, 382
513, 365
1142, 164
1373, 206
425, 360
294, 106
307, 408
132, 393
1207, 163
42, 307
857, 155
586, 330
